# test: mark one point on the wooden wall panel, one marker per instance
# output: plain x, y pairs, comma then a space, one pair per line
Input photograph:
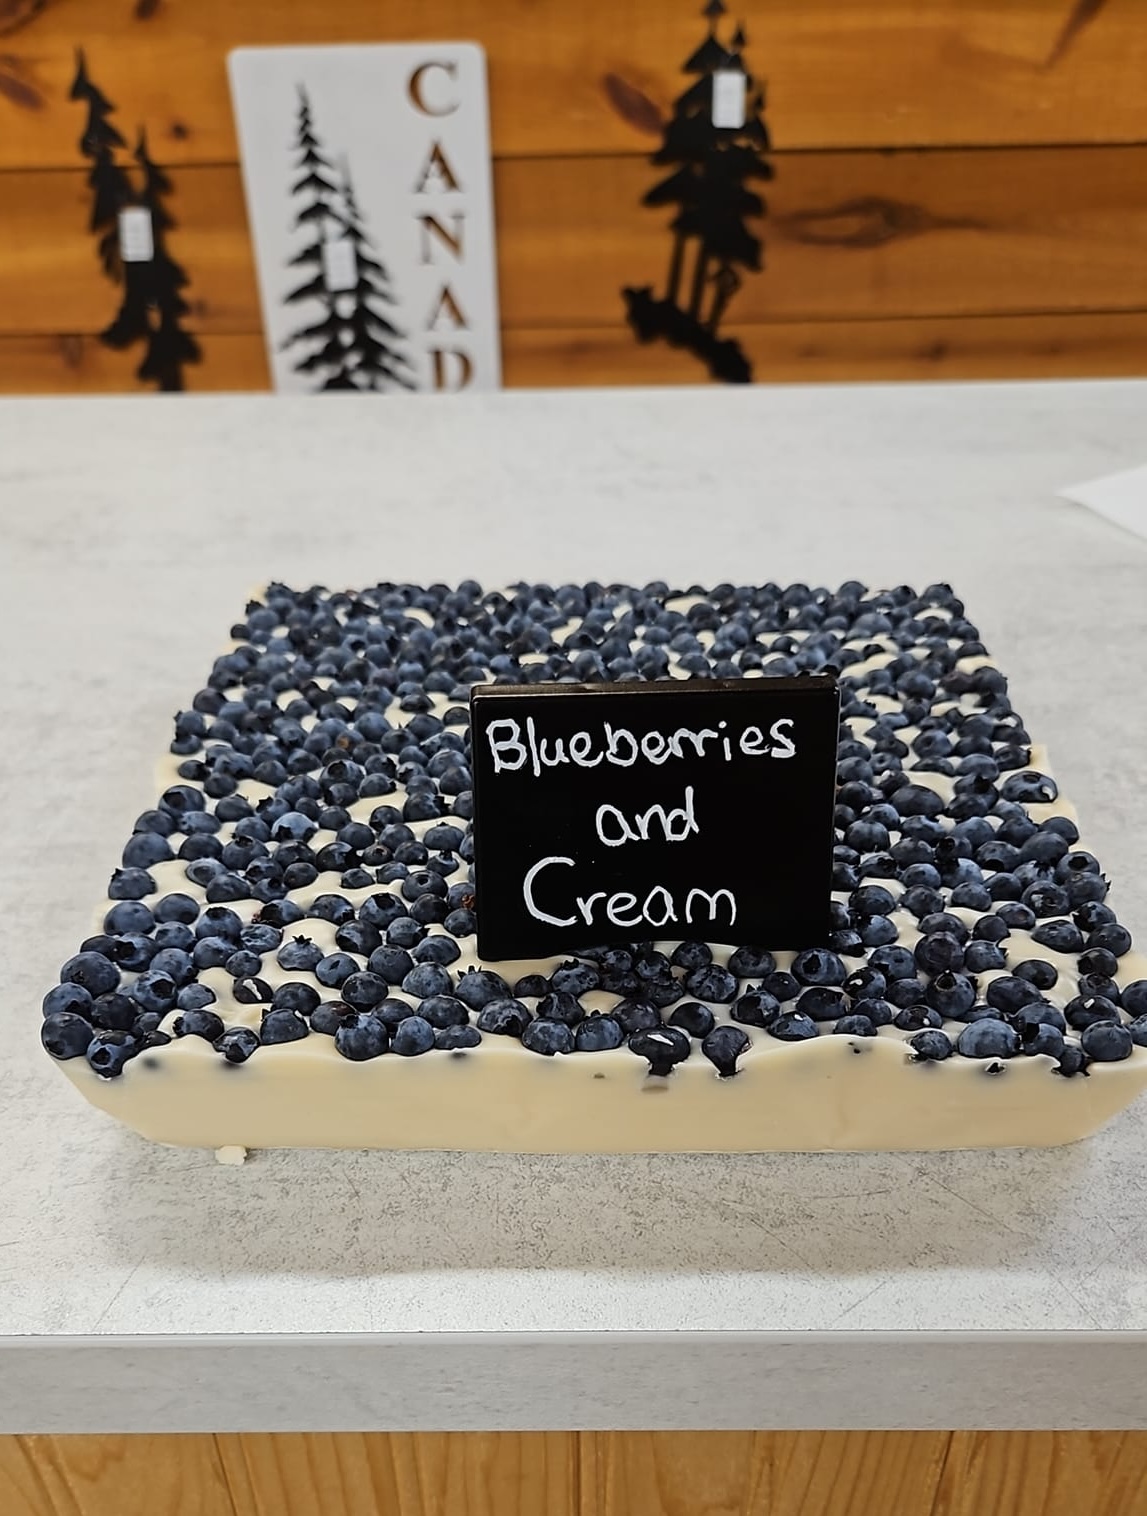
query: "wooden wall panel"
115, 1476
850, 235
1004, 347
591, 76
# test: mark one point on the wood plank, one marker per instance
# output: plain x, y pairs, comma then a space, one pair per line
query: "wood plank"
850, 235
165, 1475
1044, 1474
762, 1473
593, 77
406, 1474
974, 347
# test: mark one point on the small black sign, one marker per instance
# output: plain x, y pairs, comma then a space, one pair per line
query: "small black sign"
660, 810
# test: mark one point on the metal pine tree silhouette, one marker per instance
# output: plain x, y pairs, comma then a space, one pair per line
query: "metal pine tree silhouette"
377, 360
109, 183
169, 347
715, 140
151, 303
352, 344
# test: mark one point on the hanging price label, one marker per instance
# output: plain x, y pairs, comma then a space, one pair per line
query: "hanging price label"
729, 98
136, 240
340, 266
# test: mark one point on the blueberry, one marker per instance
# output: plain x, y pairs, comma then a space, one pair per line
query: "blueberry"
360, 1036
1058, 935
982, 957
751, 963
220, 921
130, 916
181, 908
334, 908
299, 954
548, 1037
816, 966
68, 997
478, 987
574, 978
437, 949
951, 995
1138, 1030
405, 932
130, 884
1072, 1061
108, 1052
1098, 961
931, 1046
391, 964
1040, 1013
1011, 994
252, 991
1043, 1039
894, 962
1134, 998
237, 1044
1107, 1042
875, 1010
697, 1020
598, 1034
1085, 1011
1111, 936
939, 951
855, 1026
874, 900
822, 1003
534, 985
560, 1005
723, 1046
193, 997
782, 986
332, 970
380, 910
792, 1026
329, 1016
663, 1046
456, 1039
293, 826
502, 1014
283, 1026
66, 1034
461, 923
902, 992
426, 980
443, 1010
92, 972
154, 992
411, 1037
363, 991
295, 996
712, 983
915, 1018
198, 1023
988, 1039
636, 1015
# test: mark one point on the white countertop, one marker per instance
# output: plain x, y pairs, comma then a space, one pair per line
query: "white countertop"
144, 1288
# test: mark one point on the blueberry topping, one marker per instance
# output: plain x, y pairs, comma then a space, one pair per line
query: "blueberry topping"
854, 1026
597, 1034
108, 1052
792, 1026
412, 1036
663, 1046
237, 1043
931, 1046
697, 1020
281, 1025
360, 1036
198, 1023
723, 1046
988, 1038
548, 1037
65, 1034
504, 1016
457, 1039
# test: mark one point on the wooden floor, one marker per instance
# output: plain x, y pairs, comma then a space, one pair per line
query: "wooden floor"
580, 1474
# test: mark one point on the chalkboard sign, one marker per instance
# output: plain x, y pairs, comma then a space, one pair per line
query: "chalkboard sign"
659, 810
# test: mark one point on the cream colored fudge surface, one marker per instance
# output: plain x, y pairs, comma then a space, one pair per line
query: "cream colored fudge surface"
831, 1092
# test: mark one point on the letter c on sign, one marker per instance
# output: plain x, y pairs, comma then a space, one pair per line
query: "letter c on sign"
528, 893
415, 89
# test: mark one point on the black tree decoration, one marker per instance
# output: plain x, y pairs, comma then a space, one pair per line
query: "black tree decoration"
351, 345
109, 183
709, 188
169, 347
152, 303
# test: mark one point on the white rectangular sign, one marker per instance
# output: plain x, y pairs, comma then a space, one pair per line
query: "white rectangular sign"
136, 239
729, 98
367, 174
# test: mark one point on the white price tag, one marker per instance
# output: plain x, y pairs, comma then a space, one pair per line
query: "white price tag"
729, 98
340, 266
136, 242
